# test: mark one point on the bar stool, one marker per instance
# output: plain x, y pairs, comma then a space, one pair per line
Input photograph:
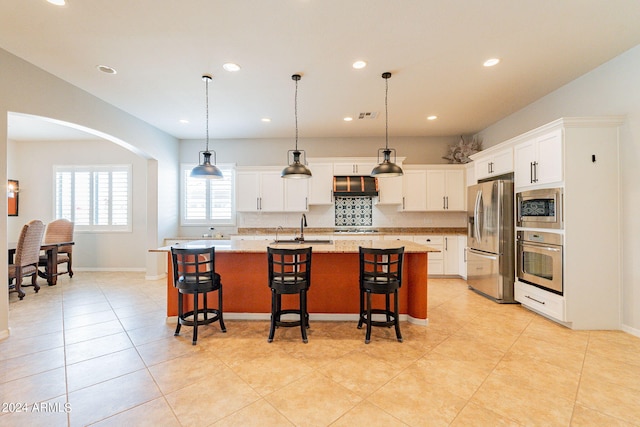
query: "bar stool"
380, 273
289, 273
194, 273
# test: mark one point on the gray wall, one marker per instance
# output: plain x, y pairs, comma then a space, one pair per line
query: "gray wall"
611, 89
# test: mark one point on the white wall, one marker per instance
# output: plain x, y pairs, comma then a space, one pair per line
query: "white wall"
94, 251
611, 89
27, 89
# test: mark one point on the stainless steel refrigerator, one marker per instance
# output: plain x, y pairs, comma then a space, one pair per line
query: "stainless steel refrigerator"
490, 240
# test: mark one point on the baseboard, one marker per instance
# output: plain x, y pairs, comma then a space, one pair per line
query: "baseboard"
156, 277
117, 269
5, 334
321, 317
630, 330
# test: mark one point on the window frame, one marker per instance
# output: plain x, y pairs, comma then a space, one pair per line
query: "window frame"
229, 172
91, 169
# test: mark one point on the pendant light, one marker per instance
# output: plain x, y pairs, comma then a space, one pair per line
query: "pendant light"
206, 169
296, 169
386, 168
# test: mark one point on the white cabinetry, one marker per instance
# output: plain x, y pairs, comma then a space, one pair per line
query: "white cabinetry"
462, 256
390, 191
267, 191
538, 161
446, 189
493, 162
450, 255
589, 174
414, 190
321, 184
354, 167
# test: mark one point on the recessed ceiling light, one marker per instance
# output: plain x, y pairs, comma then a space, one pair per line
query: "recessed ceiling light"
266, 119
491, 62
106, 69
231, 67
57, 2
432, 117
184, 121
359, 64
348, 119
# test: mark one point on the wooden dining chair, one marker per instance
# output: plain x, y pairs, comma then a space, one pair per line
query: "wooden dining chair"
27, 256
60, 230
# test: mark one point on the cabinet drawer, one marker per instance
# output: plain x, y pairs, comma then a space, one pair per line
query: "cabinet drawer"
540, 300
435, 242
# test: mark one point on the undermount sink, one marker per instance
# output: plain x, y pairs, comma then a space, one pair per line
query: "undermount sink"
302, 242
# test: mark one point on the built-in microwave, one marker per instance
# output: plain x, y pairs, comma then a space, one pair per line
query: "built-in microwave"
539, 208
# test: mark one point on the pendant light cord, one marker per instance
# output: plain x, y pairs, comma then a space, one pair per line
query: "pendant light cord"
295, 109
206, 82
386, 113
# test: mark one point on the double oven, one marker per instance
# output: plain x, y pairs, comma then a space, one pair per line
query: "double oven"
539, 252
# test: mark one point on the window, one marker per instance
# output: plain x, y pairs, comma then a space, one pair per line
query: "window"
208, 201
95, 198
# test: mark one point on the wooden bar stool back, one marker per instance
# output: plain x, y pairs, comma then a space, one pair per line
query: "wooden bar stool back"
194, 273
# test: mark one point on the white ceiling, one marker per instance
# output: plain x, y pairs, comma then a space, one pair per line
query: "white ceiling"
434, 48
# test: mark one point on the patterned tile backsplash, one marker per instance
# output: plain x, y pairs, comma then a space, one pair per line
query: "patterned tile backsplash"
354, 211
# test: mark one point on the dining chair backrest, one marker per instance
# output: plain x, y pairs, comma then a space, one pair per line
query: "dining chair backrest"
194, 269
28, 247
60, 230
381, 269
289, 269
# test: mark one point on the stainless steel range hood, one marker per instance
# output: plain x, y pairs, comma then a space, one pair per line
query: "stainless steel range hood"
355, 186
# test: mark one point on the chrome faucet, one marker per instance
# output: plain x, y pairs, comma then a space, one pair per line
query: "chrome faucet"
278, 228
303, 224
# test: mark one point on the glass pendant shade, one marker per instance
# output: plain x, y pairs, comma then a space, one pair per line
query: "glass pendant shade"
386, 168
296, 169
206, 169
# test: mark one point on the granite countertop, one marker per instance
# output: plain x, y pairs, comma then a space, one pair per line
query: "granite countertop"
337, 246
378, 231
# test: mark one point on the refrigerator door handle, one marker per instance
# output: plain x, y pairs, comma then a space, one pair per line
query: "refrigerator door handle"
476, 219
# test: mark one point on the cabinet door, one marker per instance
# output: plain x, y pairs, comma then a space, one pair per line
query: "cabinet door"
390, 190
462, 256
321, 184
451, 255
247, 191
365, 168
436, 190
414, 189
482, 167
525, 157
502, 162
344, 169
296, 195
272, 192
455, 190
549, 158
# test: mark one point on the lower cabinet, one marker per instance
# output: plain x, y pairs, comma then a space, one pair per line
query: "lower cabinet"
445, 262
540, 300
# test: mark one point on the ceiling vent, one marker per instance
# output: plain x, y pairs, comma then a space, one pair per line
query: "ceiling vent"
369, 115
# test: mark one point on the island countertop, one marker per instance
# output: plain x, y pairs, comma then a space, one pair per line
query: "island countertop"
337, 246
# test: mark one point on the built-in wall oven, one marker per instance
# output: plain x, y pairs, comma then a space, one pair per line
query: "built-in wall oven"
539, 208
540, 260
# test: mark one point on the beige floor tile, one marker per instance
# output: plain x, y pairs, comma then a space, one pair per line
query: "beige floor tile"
97, 347
478, 416
185, 370
564, 356
412, 399
166, 349
615, 345
16, 346
154, 413
86, 309
466, 347
610, 399
151, 333
215, 398
543, 329
103, 368
107, 398
27, 328
367, 414
31, 364
613, 371
585, 417
257, 414
527, 406
85, 333
313, 400
89, 319
35, 388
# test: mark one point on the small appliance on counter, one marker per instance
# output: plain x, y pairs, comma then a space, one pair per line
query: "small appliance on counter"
490, 239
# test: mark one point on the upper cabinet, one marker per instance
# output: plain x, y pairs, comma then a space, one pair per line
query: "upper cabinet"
321, 184
390, 191
414, 190
539, 160
354, 167
446, 189
265, 190
490, 163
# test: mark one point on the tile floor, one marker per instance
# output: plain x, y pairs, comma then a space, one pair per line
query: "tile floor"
99, 343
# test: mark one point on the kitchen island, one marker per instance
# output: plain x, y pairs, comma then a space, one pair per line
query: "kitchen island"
333, 295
